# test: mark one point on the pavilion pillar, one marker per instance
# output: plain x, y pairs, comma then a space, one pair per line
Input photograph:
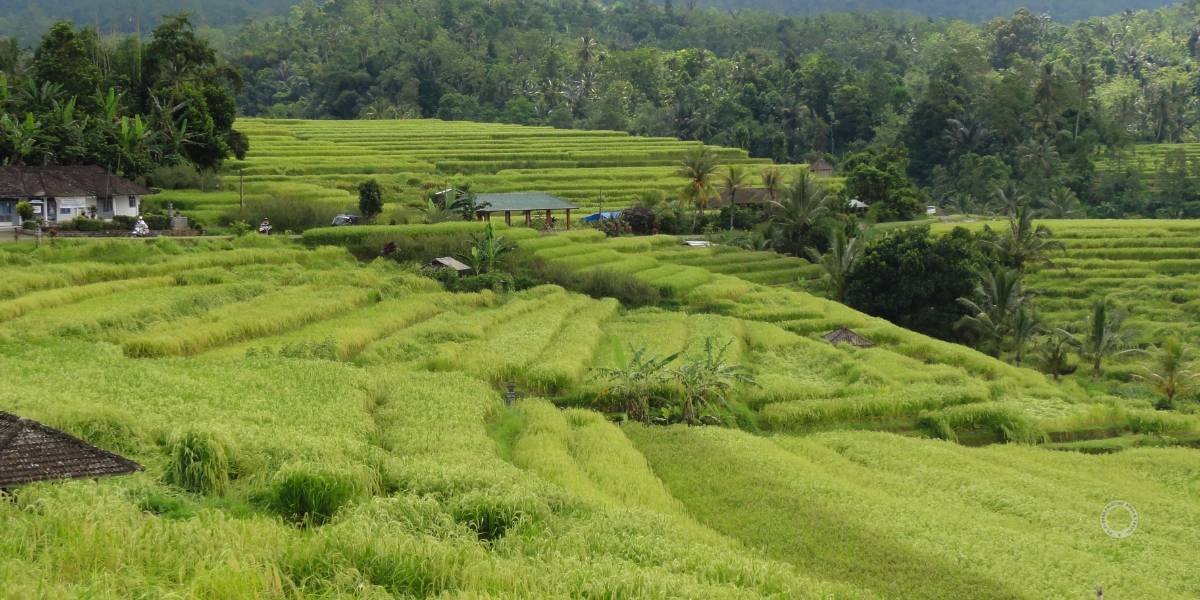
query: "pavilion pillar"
508, 218
487, 217
568, 219
549, 220
529, 218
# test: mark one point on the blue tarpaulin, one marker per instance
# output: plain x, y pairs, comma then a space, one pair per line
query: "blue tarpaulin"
602, 216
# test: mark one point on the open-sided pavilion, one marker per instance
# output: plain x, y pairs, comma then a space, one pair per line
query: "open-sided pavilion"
526, 203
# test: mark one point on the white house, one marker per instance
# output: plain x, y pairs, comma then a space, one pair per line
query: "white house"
60, 194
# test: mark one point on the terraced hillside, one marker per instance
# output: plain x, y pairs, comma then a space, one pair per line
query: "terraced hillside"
1147, 158
321, 162
1151, 267
312, 426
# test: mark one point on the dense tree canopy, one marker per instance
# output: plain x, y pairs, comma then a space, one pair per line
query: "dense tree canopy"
119, 102
973, 104
915, 279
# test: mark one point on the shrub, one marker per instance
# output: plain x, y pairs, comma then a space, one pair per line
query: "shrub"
199, 462
311, 495
370, 199
25, 210
641, 220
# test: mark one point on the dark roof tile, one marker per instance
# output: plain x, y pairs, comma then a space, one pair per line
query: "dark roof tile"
83, 180
30, 451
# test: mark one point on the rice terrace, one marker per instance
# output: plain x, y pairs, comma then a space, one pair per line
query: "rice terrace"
599, 300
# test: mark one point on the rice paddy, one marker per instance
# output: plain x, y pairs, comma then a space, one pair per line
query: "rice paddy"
315, 426
1150, 267
318, 164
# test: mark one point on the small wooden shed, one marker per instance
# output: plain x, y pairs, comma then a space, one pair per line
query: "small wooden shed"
30, 451
821, 168
447, 263
844, 335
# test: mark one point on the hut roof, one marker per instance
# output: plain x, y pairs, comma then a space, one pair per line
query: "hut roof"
821, 166
522, 201
50, 182
450, 263
847, 336
30, 451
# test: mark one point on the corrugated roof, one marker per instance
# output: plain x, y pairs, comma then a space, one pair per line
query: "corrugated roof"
522, 201
30, 451
82, 180
453, 263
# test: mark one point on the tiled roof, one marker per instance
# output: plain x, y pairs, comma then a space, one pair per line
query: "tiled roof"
847, 336
54, 182
30, 451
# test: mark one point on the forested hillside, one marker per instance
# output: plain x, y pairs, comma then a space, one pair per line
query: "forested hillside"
972, 10
27, 19
1018, 103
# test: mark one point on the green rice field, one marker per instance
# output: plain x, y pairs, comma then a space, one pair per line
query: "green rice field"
1150, 267
314, 426
319, 163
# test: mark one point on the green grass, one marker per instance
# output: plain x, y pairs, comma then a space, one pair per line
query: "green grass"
320, 163
313, 426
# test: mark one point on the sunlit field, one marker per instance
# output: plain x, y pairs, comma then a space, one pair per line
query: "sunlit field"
312, 425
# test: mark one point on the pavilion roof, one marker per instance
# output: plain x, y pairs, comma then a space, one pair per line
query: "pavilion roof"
522, 201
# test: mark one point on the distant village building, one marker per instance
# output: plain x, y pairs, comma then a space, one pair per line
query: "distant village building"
821, 168
62, 194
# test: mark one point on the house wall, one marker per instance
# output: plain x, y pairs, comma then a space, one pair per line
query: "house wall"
70, 208
8, 214
127, 206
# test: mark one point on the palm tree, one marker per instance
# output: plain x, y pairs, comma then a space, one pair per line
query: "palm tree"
467, 204
698, 167
1170, 375
732, 180
1054, 356
1062, 204
589, 48
772, 180
999, 297
1104, 336
1024, 242
1025, 325
838, 262
803, 204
